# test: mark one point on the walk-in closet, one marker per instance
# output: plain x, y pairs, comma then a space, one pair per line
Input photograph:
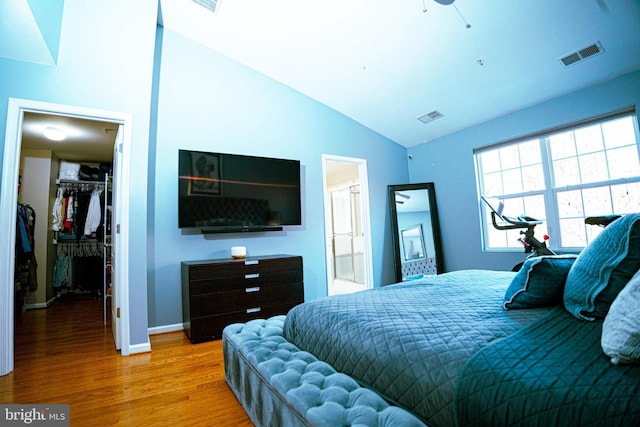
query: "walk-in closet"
65, 196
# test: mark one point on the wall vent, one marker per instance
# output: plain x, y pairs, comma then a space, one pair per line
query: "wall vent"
429, 117
582, 54
212, 5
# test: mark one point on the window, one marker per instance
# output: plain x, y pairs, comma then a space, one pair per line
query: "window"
561, 177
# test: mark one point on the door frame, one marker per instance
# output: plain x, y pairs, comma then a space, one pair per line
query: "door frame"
9, 199
366, 217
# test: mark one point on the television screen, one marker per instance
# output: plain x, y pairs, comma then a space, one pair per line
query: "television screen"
228, 192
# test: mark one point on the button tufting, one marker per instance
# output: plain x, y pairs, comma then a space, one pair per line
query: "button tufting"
309, 386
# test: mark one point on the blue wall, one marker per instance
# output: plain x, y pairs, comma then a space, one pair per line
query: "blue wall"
105, 61
208, 102
198, 99
448, 162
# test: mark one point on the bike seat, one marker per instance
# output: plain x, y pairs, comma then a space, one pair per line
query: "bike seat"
602, 221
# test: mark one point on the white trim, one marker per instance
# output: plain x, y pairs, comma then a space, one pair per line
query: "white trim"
156, 330
366, 225
9, 198
122, 269
366, 216
39, 305
139, 348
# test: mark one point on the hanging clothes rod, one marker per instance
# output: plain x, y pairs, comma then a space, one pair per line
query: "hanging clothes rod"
78, 182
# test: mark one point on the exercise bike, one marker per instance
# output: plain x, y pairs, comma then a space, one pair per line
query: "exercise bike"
527, 224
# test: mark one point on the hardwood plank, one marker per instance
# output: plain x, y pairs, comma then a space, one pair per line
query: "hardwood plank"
64, 354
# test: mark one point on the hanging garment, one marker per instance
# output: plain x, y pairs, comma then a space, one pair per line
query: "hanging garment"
24, 232
81, 208
57, 219
25, 260
68, 222
94, 212
62, 272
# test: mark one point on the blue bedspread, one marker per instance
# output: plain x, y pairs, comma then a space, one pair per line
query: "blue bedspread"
410, 341
552, 373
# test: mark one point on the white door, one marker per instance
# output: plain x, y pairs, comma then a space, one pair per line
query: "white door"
115, 240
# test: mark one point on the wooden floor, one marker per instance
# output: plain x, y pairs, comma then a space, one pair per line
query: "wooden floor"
64, 354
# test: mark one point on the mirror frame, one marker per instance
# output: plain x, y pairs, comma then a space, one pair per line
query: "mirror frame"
395, 231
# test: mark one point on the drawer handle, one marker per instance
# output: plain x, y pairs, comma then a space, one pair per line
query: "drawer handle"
256, 289
253, 310
252, 262
252, 276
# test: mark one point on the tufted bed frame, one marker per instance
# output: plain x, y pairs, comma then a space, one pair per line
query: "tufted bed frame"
465, 348
280, 385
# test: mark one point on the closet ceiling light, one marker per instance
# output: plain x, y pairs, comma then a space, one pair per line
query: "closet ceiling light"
54, 134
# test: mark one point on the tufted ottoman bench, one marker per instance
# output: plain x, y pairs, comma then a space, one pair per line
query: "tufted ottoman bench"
280, 385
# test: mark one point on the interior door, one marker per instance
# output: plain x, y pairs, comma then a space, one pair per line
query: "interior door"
115, 240
347, 225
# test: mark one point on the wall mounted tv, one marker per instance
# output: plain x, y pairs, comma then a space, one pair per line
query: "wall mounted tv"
227, 193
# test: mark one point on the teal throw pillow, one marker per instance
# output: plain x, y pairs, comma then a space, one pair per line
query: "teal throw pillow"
539, 283
603, 268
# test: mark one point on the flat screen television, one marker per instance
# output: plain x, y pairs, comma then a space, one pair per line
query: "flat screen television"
219, 192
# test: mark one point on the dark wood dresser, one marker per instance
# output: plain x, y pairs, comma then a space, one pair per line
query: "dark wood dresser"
218, 292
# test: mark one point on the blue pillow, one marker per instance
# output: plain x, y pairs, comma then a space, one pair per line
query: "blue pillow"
539, 283
603, 268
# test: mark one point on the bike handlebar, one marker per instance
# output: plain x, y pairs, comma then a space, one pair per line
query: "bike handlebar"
513, 223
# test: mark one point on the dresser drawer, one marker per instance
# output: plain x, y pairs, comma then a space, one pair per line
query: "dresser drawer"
249, 298
210, 327
249, 280
241, 268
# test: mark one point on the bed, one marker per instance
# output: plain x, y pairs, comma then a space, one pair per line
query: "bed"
539, 347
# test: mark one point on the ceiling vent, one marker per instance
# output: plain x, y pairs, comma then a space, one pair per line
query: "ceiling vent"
582, 54
429, 117
212, 5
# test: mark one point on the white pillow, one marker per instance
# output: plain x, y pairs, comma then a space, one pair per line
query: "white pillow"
621, 327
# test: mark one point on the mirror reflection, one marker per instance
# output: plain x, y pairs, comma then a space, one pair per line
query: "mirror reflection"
412, 243
415, 231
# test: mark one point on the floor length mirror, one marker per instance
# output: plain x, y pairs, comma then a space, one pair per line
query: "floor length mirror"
415, 229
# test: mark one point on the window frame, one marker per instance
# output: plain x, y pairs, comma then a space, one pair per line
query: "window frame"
549, 192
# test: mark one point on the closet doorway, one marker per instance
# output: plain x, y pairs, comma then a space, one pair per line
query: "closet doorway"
348, 236
21, 116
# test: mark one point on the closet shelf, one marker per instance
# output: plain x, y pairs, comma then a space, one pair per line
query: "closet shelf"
79, 182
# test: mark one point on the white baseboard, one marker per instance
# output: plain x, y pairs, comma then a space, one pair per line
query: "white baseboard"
40, 304
146, 347
165, 329
140, 348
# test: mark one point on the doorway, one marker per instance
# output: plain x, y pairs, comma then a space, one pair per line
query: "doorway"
8, 201
347, 229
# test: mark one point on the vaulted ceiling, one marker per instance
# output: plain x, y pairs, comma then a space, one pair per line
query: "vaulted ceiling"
385, 63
